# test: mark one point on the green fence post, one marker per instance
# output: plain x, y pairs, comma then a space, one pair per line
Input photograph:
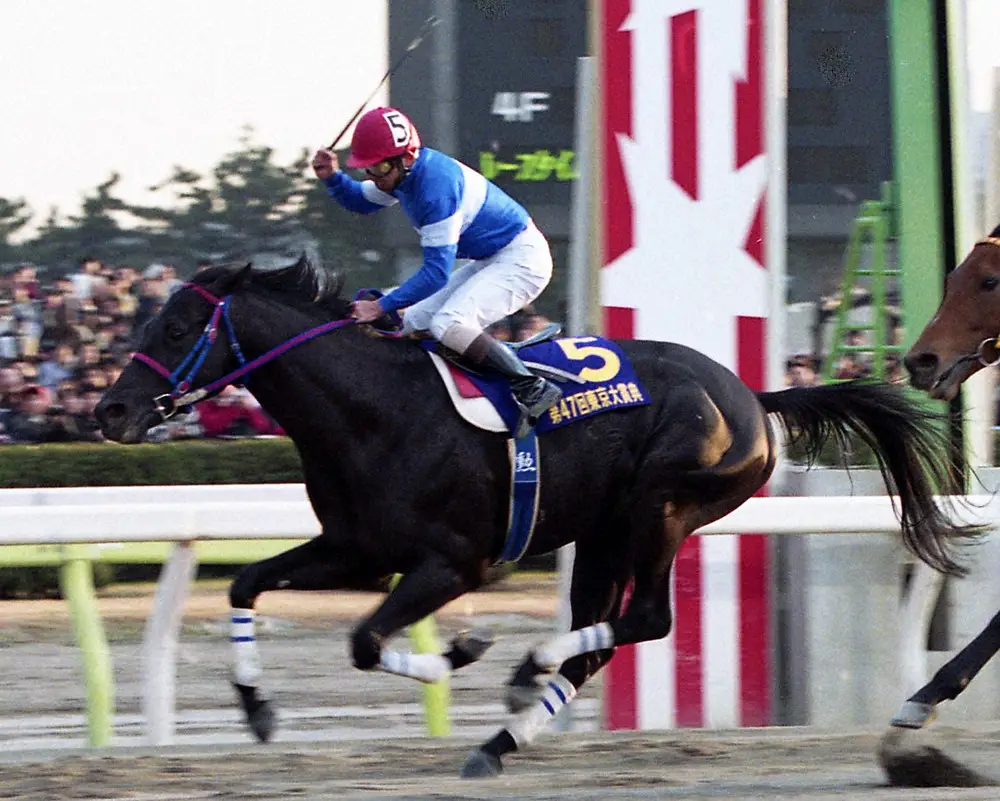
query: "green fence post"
76, 581
423, 635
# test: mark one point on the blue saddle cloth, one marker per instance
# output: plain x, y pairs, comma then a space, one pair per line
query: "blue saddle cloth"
593, 373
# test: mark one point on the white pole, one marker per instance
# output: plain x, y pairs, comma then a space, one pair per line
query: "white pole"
578, 307
915, 614
580, 288
978, 394
160, 642
776, 104
992, 177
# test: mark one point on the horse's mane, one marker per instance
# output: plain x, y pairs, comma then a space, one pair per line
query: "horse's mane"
303, 284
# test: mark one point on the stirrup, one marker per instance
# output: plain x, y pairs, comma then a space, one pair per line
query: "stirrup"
529, 417
550, 331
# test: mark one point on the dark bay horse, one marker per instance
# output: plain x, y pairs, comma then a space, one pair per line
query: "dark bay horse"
402, 485
960, 340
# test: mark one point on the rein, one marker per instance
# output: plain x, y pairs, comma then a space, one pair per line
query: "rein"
182, 377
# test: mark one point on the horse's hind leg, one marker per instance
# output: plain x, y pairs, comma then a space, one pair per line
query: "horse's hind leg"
951, 679
314, 565
596, 594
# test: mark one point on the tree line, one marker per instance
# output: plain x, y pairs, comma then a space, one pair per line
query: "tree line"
247, 206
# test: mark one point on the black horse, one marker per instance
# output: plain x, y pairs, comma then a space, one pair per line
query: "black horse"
402, 485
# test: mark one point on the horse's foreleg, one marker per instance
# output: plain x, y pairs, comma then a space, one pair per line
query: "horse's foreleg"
420, 593
309, 566
951, 679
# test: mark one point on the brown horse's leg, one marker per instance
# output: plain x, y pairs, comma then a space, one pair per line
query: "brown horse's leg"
951, 679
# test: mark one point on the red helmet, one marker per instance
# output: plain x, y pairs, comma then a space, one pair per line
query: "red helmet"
381, 134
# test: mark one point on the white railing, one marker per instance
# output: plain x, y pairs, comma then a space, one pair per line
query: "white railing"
74, 526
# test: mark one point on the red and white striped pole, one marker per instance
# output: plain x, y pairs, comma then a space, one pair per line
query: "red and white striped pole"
685, 231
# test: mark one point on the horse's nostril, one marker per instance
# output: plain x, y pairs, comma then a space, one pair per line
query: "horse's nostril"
109, 412
921, 362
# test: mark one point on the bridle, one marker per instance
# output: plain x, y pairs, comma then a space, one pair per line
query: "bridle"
182, 377
991, 343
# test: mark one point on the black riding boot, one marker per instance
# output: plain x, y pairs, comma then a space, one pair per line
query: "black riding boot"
534, 395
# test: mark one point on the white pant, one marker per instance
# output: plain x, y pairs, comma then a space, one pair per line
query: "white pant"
481, 292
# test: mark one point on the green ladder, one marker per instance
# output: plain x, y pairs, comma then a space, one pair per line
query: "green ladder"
873, 227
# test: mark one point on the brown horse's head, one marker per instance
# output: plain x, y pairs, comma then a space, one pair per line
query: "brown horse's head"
961, 338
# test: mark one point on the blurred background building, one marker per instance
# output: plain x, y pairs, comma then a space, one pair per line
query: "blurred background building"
495, 87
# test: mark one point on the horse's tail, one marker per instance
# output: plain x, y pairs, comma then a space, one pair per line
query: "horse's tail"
915, 455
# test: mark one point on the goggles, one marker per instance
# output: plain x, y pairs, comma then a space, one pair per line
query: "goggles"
380, 169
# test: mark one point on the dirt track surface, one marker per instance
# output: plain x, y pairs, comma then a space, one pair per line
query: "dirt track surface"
303, 643
755, 764
303, 640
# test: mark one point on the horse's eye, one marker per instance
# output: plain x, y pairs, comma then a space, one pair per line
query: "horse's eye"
989, 283
175, 331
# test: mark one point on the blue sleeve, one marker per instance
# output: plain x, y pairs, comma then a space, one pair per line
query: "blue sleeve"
431, 277
352, 196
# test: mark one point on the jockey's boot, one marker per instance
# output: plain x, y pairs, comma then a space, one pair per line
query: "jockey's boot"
534, 394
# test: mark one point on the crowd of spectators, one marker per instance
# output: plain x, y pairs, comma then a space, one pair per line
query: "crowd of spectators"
64, 342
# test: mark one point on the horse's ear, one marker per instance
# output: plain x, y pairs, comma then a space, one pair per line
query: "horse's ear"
235, 279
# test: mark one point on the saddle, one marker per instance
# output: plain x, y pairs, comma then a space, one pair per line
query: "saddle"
594, 373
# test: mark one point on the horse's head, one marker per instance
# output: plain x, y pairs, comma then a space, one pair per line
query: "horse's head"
961, 338
186, 346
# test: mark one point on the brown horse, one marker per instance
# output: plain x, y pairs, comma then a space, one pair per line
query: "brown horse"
960, 340
962, 337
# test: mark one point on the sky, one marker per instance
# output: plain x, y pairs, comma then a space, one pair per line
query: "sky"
983, 42
139, 86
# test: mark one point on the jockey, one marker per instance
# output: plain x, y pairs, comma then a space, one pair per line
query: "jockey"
458, 214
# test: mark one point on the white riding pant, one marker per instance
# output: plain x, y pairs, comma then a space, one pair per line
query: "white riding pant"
481, 292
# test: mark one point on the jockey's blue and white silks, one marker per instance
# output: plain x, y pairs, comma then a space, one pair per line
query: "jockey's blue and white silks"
456, 211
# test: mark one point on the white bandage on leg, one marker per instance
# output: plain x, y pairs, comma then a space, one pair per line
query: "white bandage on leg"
458, 337
246, 660
558, 692
552, 654
427, 668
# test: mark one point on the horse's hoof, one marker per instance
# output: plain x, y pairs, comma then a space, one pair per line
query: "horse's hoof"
263, 722
469, 647
259, 713
481, 765
913, 715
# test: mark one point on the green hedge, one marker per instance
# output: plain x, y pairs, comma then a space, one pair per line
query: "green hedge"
263, 461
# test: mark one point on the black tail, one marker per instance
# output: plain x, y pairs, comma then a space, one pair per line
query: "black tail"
915, 456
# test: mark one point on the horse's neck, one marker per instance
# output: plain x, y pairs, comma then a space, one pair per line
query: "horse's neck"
336, 380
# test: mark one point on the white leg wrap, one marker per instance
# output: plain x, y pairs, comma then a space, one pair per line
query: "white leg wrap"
427, 668
246, 660
552, 654
525, 726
